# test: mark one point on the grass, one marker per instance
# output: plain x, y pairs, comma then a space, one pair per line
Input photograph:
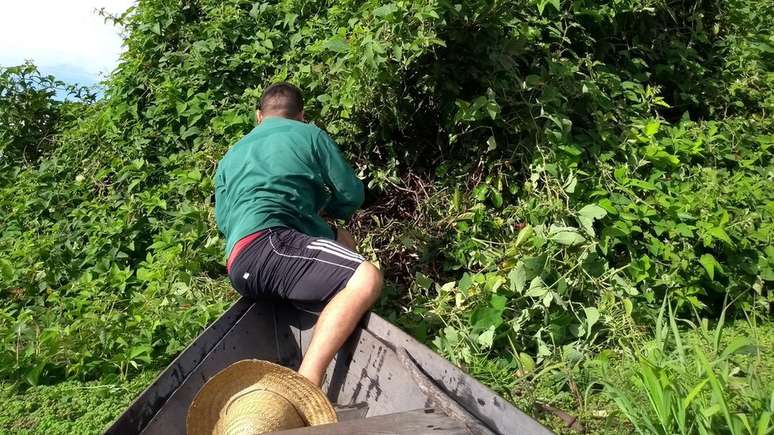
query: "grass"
70, 407
687, 378
653, 386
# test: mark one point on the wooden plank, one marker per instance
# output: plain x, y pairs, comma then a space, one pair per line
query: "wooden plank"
440, 400
494, 411
417, 422
253, 336
351, 412
367, 370
287, 335
148, 403
299, 319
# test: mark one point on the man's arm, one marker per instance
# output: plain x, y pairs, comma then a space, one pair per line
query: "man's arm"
346, 189
220, 200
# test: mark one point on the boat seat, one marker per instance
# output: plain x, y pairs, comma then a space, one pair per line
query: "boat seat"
357, 411
416, 422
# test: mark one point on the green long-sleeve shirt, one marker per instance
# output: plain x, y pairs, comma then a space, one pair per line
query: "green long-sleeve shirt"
282, 174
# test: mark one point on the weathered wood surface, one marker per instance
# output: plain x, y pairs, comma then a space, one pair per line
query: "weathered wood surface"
147, 404
253, 336
351, 412
415, 422
367, 370
438, 398
493, 411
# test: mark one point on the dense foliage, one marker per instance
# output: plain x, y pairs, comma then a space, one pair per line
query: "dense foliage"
30, 115
570, 199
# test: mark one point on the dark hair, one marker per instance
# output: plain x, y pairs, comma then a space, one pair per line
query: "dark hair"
282, 99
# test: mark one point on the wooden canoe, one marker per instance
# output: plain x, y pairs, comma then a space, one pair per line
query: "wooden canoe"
382, 380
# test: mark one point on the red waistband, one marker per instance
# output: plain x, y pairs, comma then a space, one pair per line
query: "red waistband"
241, 244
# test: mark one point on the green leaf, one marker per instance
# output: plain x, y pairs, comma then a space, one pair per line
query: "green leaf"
139, 350
568, 237
570, 184
423, 281
524, 235
608, 206
628, 306
534, 265
694, 392
588, 214
493, 109
6, 269
593, 211
738, 345
536, 292
541, 5
486, 316
494, 282
498, 302
487, 337
145, 274
480, 191
491, 144
526, 363
191, 131
33, 375
496, 197
465, 283
518, 278
547, 298
447, 287
709, 263
385, 10
720, 234
592, 316
337, 44
652, 127
537, 288
711, 410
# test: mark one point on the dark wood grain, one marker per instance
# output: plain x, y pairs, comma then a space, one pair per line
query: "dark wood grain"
415, 422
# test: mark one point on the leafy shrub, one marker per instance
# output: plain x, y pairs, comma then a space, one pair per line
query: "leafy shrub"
543, 174
29, 113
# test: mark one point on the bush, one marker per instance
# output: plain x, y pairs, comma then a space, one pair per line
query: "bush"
543, 174
30, 115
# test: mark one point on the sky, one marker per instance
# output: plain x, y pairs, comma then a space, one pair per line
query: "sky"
66, 38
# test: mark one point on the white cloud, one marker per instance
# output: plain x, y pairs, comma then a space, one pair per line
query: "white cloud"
60, 34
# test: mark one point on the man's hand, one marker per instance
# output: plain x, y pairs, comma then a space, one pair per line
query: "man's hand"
345, 238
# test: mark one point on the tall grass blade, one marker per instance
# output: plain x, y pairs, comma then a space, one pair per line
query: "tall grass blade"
676, 334
719, 327
717, 387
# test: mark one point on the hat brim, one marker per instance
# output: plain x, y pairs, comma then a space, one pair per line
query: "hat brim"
307, 398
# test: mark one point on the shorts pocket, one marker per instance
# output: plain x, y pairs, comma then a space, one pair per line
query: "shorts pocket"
288, 241
238, 282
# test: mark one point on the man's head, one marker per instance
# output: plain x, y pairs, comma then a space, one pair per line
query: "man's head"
283, 100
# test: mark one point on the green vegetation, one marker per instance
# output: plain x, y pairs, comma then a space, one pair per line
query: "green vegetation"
571, 200
69, 407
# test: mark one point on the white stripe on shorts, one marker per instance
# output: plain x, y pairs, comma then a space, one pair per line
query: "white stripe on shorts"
336, 253
274, 248
336, 247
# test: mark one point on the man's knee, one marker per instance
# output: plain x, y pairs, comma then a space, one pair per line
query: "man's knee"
367, 280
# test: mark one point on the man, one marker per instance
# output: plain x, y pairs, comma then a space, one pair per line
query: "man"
271, 189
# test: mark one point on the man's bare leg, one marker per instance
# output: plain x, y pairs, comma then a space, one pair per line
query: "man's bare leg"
339, 318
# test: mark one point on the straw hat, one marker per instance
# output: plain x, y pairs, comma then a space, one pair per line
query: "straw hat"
253, 396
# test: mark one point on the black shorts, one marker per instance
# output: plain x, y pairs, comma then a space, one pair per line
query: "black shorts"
283, 263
